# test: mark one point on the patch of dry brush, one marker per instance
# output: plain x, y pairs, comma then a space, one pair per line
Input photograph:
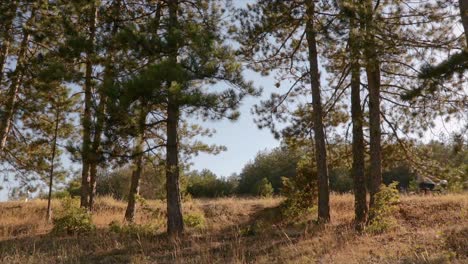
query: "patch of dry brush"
431, 229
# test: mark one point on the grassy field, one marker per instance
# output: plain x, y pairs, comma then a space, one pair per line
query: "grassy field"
430, 229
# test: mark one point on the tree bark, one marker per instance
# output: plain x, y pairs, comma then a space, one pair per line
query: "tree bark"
319, 134
86, 148
52, 159
373, 81
101, 111
138, 163
464, 17
7, 38
175, 224
358, 167
10, 106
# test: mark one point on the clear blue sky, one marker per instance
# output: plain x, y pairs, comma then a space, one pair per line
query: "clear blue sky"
242, 138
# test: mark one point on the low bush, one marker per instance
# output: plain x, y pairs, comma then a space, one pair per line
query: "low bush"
300, 191
195, 220
385, 204
72, 219
264, 188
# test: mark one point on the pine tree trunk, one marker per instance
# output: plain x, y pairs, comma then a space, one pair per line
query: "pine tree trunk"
464, 17
319, 134
138, 163
101, 112
52, 159
373, 81
86, 148
175, 225
7, 38
11, 97
358, 167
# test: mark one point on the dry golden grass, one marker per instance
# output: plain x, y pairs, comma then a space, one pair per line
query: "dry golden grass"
431, 229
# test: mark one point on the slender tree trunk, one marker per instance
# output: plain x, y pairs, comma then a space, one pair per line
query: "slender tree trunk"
138, 164
95, 156
464, 17
86, 148
358, 167
52, 163
175, 224
10, 106
373, 81
101, 112
7, 38
319, 133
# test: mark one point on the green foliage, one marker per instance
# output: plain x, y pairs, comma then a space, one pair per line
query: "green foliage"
206, 184
264, 188
385, 205
115, 183
195, 220
300, 191
413, 186
341, 180
72, 219
272, 165
74, 187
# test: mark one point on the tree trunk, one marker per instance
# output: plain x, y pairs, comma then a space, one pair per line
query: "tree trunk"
10, 106
373, 81
86, 148
52, 159
358, 167
175, 225
7, 38
464, 17
101, 112
319, 134
138, 163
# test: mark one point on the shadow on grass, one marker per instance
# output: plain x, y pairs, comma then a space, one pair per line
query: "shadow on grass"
261, 234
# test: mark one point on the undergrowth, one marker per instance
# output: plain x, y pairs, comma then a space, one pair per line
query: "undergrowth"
72, 219
385, 205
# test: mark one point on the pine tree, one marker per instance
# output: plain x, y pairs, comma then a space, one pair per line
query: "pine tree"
184, 58
294, 53
10, 104
351, 11
8, 11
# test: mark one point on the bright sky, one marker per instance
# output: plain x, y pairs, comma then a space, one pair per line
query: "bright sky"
242, 138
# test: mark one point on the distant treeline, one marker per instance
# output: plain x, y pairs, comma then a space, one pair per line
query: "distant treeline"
263, 175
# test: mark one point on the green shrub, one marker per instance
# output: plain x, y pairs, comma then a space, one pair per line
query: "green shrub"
264, 188
300, 191
385, 204
72, 219
194, 220
114, 226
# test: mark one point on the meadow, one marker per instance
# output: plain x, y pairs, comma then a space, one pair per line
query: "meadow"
429, 229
